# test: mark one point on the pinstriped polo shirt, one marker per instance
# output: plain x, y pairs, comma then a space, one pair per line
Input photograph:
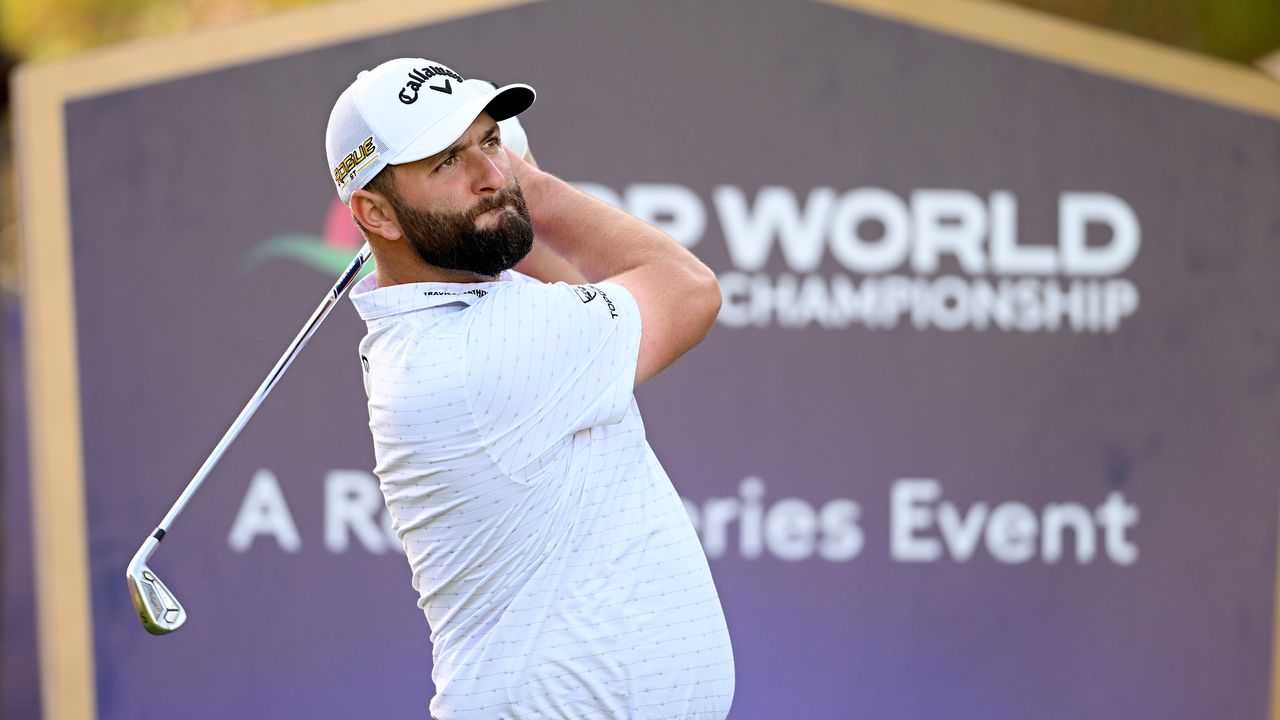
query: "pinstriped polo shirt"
553, 559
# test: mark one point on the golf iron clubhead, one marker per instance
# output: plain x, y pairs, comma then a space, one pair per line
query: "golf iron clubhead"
157, 607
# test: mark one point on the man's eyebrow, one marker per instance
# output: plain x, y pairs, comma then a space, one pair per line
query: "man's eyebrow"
459, 145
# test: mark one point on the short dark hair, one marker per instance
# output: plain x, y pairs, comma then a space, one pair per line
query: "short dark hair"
384, 183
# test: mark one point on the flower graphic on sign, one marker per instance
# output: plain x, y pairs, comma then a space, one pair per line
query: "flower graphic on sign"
330, 253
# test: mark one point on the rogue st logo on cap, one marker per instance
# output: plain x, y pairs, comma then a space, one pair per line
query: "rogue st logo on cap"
386, 117
367, 152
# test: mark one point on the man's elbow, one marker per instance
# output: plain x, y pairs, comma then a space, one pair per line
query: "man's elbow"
704, 299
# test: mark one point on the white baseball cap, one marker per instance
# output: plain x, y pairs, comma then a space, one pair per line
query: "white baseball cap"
404, 110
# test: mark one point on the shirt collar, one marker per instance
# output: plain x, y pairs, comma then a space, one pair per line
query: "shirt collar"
373, 302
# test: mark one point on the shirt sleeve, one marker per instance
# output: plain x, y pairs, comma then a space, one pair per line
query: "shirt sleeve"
547, 361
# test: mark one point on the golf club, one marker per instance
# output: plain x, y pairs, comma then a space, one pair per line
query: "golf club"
158, 608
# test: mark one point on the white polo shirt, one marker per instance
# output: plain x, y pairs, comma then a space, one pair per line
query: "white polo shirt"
554, 560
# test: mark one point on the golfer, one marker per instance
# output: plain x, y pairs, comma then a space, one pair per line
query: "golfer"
554, 561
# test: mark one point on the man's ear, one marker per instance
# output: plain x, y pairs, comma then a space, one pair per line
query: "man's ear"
373, 211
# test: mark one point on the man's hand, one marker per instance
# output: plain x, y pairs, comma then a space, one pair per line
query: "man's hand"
521, 164
542, 262
678, 296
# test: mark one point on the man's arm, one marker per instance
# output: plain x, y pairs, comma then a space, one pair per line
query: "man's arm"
542, 262
678, 296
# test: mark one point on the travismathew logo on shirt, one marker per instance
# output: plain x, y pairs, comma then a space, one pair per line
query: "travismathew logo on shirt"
477, 292
419, 77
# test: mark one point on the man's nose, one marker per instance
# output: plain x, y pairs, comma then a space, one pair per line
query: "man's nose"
487, 177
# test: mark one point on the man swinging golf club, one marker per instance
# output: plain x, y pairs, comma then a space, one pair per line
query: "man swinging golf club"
554, 561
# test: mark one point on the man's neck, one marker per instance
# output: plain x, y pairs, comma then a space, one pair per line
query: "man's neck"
401, 273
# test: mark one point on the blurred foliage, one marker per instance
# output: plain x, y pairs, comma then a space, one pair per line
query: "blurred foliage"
45, 29
1239, 30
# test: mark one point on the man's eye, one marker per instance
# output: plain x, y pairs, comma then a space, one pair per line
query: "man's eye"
448, 162
493, 142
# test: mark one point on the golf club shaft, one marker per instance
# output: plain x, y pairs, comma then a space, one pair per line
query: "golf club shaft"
344, 282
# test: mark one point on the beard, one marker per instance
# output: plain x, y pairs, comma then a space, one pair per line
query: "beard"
452, 241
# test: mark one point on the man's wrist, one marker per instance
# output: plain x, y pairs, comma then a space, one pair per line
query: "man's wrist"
539, 189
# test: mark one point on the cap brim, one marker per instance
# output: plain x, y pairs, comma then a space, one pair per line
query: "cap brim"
510, 100
502, 103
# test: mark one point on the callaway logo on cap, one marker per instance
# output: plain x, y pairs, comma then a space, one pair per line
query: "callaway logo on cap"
405, 110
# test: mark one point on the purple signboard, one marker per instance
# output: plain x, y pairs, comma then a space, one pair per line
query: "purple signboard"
984, 429
19, 695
